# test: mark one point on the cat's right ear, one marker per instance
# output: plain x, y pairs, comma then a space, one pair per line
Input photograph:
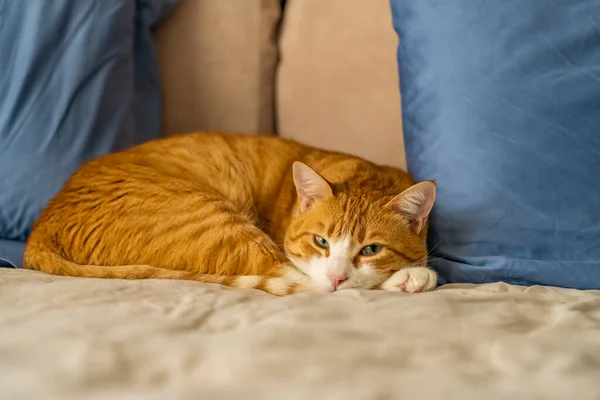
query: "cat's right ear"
310, 186
415, 203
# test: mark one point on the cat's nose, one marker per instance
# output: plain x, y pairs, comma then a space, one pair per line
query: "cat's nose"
337, 279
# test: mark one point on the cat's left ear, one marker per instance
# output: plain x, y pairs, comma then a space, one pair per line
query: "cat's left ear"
416, 203
310, 186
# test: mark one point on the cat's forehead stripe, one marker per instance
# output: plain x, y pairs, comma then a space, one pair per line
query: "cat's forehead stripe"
351, 219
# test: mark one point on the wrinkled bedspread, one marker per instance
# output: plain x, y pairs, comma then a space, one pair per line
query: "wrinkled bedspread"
69, 338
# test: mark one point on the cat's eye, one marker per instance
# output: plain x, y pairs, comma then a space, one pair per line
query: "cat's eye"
371, 250
321, 242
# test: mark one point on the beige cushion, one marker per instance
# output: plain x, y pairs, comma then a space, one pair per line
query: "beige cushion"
337, 83
217, 60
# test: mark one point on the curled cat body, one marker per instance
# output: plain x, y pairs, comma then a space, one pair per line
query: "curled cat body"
243, 211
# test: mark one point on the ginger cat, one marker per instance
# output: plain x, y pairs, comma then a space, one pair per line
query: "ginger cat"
244, 211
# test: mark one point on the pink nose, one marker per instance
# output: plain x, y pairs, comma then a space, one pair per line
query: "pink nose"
337, 279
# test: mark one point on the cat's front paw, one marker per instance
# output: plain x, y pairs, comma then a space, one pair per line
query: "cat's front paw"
411, 280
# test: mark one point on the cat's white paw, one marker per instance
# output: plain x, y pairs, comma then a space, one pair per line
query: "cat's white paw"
412, 280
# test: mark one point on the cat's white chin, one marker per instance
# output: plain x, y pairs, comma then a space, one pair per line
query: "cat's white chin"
321, 283
325, 289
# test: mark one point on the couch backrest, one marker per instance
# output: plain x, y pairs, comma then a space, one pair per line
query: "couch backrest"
337, 83
217, 60
324, 75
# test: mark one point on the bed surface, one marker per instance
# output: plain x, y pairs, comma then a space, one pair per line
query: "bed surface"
69, 338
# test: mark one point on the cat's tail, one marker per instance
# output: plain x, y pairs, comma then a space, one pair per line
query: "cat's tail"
289, 281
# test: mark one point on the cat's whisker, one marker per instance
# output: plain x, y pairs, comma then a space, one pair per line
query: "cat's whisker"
430, 251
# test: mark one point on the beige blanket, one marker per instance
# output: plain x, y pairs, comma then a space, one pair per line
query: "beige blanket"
69, 338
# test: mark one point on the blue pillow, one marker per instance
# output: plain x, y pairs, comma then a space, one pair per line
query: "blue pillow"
11, 253
79, 80
501, 105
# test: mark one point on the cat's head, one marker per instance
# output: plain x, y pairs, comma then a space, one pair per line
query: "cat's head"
354, 237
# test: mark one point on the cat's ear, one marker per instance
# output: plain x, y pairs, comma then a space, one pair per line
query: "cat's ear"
416, 203
310, 186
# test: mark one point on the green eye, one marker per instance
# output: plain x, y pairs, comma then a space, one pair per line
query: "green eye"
321, 242
371, 250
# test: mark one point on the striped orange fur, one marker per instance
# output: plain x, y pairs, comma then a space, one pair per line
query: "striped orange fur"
242, 211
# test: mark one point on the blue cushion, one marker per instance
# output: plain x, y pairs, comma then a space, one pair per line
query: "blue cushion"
501, 105
11, 253
79, 79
